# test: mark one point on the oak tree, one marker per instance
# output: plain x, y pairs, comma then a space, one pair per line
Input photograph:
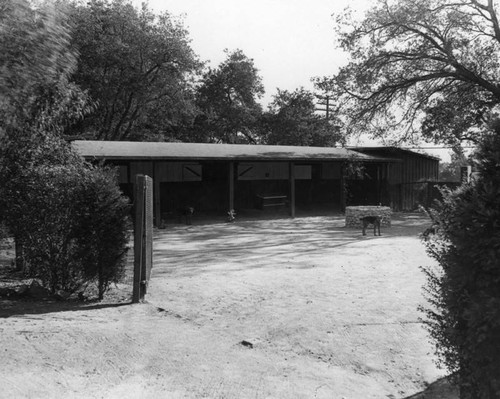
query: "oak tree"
138, 66
419, 66
37, 100
292, 120
227, 101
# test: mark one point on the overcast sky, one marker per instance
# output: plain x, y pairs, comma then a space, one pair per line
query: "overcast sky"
290, 41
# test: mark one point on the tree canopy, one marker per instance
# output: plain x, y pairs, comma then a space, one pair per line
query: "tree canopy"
451, 171
419, 66
292, 120
133, 76
37, 99
137, 66
227, 100
51, 200
36, 62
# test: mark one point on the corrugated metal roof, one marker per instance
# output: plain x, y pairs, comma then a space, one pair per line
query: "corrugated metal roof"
202, 151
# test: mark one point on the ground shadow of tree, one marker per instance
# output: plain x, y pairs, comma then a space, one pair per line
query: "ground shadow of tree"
18, 302
23, 307
440, 389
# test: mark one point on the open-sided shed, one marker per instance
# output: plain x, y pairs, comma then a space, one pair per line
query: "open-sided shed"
214, 178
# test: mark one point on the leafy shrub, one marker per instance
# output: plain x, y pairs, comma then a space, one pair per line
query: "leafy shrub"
464, 291
102, 231
45, 226
69, 216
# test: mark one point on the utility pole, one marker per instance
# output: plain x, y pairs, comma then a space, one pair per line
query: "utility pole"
324, 102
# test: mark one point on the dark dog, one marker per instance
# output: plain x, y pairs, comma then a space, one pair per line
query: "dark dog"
367, 220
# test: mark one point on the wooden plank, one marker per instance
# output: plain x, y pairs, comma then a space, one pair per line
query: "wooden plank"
191, 172
268, 197
271, 200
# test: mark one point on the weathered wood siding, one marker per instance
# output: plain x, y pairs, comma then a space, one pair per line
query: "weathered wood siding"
409, 188
406, 179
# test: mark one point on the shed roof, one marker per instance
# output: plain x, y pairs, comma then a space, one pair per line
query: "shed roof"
393, 151
126, 150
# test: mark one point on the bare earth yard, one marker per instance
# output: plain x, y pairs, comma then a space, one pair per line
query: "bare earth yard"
280, 308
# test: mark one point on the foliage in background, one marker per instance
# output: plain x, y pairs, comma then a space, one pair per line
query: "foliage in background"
137, 66
36, 97
450, 171
108, 70
227, 100
464, 291
50, 198
70, 216
419, 67
36, 61
292, 120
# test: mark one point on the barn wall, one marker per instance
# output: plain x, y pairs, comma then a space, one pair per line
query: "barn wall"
406, 179
140, 168
263, 171
254, 179
178, 171
162, 171
410, 190
315, 183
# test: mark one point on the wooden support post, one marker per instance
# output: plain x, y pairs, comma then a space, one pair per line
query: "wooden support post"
156, 193
291, 166
231, 185
342, 188
400, 197
379, 185
143, 236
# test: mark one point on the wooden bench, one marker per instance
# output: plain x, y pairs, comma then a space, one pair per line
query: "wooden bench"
271, 200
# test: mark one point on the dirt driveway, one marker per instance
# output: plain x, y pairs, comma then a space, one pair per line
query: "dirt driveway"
284, 308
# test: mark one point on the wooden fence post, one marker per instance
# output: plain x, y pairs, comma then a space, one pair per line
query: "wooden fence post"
143, 236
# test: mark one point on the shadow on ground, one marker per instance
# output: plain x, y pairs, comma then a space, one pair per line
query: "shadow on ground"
203, 243
22, 307
22, 303
440, 389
